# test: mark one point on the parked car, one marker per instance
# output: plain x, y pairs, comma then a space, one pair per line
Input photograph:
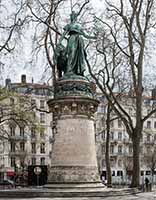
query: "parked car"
7, 184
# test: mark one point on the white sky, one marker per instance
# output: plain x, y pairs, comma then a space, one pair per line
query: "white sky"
15, 66
19, 64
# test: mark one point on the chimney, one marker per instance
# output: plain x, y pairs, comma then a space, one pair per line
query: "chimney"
23, 78
7, 82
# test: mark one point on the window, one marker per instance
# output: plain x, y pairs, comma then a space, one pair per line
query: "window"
42, 104
22, 146
111, 149
148, 138
111, 124
101, 108
148, 172
120, 149
12, 147
42, 117
112, 135
33, 132
102, 122
130, 149
22, 131
113, 173
119, 136
119, 123
148, 150
155, 137
42, 133
12, 131
103, 135
103, 149
42, 161
42, 148
119, 173
154, 124
33, 147
13, 161
103, 163
1, 147
148, 124
33, 161
119, 163
112, 162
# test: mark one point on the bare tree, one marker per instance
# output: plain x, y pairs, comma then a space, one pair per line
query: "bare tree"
106, 119
128, 166
48, 20
127, 25
11, 25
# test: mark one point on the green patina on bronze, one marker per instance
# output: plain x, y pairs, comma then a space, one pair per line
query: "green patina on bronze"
71, 59
74, 89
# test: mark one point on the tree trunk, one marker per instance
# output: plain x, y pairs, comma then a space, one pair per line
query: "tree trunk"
136, 160
107, 155
137, 131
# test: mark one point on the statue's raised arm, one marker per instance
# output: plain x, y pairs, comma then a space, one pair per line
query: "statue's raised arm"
74, 51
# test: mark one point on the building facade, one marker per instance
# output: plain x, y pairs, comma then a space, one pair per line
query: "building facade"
27, 144
121, 149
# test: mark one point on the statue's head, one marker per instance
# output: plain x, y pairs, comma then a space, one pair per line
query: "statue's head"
73, 16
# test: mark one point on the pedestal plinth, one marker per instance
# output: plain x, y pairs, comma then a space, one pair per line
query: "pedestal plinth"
74, 154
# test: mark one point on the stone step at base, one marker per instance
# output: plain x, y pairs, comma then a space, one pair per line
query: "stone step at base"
74, 185
52, 193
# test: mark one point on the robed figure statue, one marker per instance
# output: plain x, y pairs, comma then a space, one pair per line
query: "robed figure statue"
73, 62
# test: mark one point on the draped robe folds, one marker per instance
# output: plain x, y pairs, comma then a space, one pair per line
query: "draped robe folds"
75, 51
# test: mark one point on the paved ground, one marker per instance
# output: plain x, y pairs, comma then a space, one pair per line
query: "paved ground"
140, 196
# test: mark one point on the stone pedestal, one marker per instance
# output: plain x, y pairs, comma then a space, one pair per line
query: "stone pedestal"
74, 154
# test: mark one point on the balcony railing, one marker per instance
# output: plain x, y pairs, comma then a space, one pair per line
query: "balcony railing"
17, 153
115, 141
127, 140
18, 137
149, 142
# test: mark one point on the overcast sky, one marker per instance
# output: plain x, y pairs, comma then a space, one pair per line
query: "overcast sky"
19, 64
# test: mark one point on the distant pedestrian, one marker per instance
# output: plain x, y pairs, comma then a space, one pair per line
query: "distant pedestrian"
146, 184
103, 178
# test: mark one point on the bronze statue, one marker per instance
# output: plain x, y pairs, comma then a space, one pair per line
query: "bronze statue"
60, 59
74, 51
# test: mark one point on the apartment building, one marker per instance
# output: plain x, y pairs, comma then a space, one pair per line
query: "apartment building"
27, 144
121, 149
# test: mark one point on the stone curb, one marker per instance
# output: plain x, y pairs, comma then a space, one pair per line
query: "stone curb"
32, 193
